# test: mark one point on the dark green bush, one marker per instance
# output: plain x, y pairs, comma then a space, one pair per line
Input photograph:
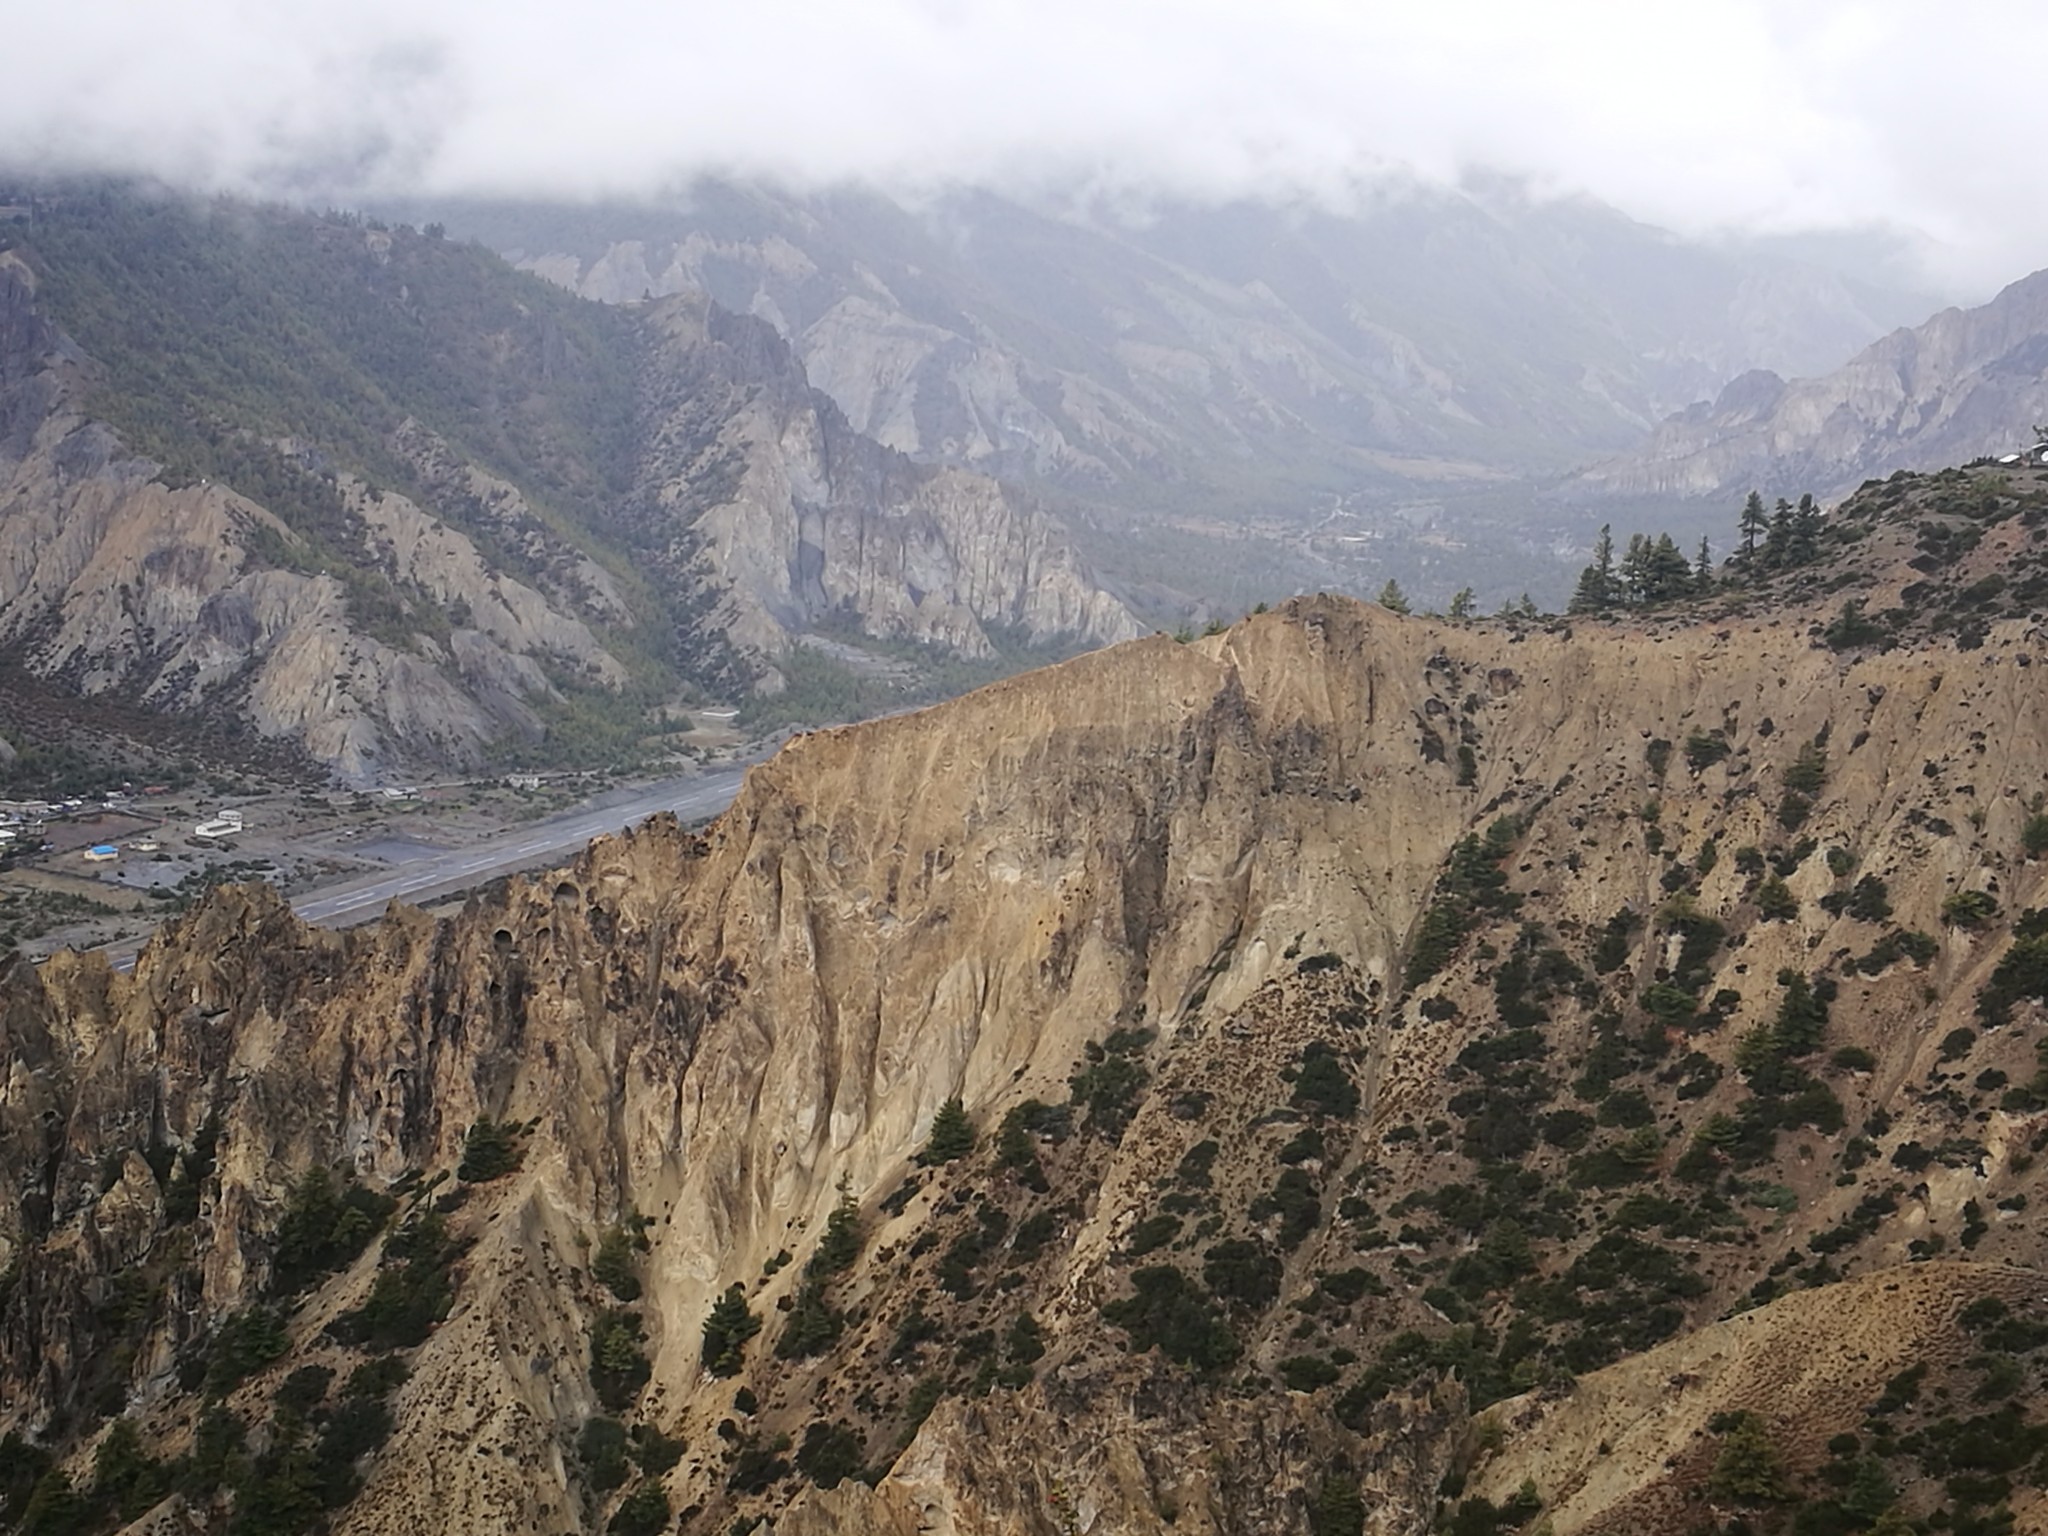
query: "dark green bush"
489, 1151
1168, 1311
1242, 1271
643, 1512
601, 1448
1322, 1085
728, 1327
243, 1344
951, 1137
829, 1453
615, 1265
619, 1367
325, 1226
1307, 1373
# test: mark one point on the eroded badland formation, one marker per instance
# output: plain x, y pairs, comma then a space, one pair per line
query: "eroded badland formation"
1508, 1074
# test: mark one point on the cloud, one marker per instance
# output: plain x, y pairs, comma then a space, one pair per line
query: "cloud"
1737, 114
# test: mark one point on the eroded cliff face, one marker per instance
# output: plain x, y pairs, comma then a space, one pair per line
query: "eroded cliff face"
786, 518
1160, 914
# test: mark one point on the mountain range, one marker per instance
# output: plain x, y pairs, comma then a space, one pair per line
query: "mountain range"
1248, 355
1349, 1072
1967, 383
367, 496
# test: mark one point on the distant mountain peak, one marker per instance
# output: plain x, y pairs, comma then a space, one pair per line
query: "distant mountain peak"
1964, 384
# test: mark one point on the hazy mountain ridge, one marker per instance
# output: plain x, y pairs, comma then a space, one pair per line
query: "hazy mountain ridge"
1392, 1049
1967, 383
370, 493
1240, 351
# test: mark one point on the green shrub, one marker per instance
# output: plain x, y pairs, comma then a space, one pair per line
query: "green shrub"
1747, 1467
489, 1151
1242, 1271
376, 1378
1809, 769
829, 1453
757, 1468
1295, 1199
2022, 972
619, 1367
1195, 1165
726, 1330
303, 1390
1612, 952
1322, 1085
814, 1324
840, 1245
1703, 749
2034, 835
1968, 909
1307, 1373
1167, 1311
1033, 1233
1016, 1147
601, 1448
324, 1228
124, 1475
951, 1137
1151, 1234
1775, 901
1109, 1088
412, 1292
655, 1452
614, 1265
242, 1345
1339, 1510
643, 1512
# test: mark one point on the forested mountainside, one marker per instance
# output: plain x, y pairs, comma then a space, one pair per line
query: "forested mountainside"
1967, 383
1347, 1073
1254, 354
371, 494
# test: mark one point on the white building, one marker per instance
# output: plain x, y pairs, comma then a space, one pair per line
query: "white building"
226, 824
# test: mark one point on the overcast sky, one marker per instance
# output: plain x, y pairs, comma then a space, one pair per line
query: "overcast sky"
1718, 114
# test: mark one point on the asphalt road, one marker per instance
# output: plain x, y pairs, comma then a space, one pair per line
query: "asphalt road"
364, 898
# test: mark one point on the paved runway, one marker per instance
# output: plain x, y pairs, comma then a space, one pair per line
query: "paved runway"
362, 899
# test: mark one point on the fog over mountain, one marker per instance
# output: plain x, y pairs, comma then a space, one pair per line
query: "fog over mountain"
1740, 116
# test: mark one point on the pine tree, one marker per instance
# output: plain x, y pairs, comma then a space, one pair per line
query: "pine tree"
726, 1331
1654, 570
1595, 592
1802, 1018
1392, 598
840, 1245
1749, 1469
1753, 525
1870, 1492
814, 1325
1703, 568
1464, 603
1803, 544
952, 1135
1778, 540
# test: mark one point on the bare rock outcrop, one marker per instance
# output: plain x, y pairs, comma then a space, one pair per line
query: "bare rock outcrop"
1159, 899
1967, 383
